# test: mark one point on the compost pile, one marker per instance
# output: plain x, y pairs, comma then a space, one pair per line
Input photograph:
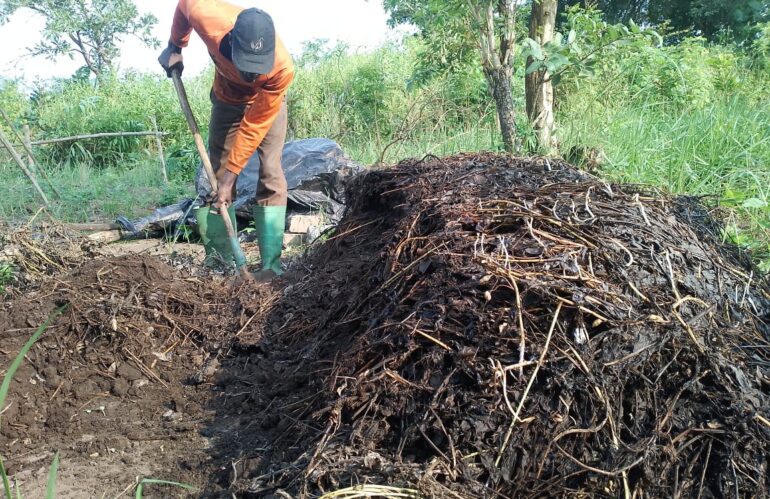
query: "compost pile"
482, 326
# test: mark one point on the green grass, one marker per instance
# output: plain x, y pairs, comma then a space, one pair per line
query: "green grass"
721, 150
92, 194
152, 481
6, 276
102, 194
440, 143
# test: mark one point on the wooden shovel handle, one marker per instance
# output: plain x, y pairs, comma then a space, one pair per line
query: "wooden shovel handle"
188, 114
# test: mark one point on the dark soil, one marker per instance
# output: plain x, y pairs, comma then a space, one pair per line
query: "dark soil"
478, 326
120, 383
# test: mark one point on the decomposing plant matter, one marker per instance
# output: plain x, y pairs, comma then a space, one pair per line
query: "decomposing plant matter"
494, 327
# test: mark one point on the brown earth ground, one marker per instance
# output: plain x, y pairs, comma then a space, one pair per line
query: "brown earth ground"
124, 384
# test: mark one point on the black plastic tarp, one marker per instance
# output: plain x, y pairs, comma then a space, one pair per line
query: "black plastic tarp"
315, 169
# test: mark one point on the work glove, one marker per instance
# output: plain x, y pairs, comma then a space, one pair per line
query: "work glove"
171, 59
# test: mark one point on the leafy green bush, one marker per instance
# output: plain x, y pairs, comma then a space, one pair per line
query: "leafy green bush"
760, 46
12, 100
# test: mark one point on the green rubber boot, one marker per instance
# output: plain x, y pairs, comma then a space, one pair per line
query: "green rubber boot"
270, 222
214, 235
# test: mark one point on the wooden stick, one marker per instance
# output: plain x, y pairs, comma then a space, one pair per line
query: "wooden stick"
92, 227
26, 141
23, 167
106, 237
95, 136
33, 165
159, 145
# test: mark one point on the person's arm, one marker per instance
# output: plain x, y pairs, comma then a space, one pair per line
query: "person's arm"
258, 119
171, 57
181, 27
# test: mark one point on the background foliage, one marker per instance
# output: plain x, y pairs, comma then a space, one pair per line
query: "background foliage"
691, 115
712, 19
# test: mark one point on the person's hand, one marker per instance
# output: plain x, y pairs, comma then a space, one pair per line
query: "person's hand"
226, 180
171, 59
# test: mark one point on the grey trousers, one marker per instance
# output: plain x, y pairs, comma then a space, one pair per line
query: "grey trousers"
223, 127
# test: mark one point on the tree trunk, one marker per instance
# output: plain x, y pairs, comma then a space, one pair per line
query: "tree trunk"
539, 88
496, 22
499, 80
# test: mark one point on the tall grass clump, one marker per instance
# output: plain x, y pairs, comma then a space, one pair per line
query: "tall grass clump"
373, 105
692, 118
90, 193
126, 104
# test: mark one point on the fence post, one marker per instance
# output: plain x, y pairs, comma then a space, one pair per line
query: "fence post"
159, 144
27, 139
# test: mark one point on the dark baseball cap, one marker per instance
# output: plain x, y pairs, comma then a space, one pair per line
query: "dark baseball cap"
253, 42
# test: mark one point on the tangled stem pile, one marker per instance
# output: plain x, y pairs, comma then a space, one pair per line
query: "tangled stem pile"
482, 326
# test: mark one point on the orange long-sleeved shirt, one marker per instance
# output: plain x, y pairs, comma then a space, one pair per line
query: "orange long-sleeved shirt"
212, 20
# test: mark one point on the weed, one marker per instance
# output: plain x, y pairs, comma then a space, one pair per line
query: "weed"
7, 275
152, 481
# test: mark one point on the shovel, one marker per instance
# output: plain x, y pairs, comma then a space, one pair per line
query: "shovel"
238, 256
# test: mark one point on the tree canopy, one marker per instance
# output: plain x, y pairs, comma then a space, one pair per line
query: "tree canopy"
87, 29
445, 28
707, 18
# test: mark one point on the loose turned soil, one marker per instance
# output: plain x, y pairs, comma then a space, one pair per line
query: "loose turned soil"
477, 326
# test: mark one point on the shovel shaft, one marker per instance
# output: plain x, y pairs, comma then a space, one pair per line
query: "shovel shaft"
188, 114
240, 259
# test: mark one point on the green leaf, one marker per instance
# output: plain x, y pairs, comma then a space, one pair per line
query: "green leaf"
6, 483
148, 481
754, 203
551, 46
558, 61
535, 50
535, 66
571, 37
558, 38
634, 27
50, 492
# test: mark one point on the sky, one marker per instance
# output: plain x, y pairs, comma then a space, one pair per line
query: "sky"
359, 23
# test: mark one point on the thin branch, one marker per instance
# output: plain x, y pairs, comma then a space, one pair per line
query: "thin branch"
96, 136
20, 162
30, 153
